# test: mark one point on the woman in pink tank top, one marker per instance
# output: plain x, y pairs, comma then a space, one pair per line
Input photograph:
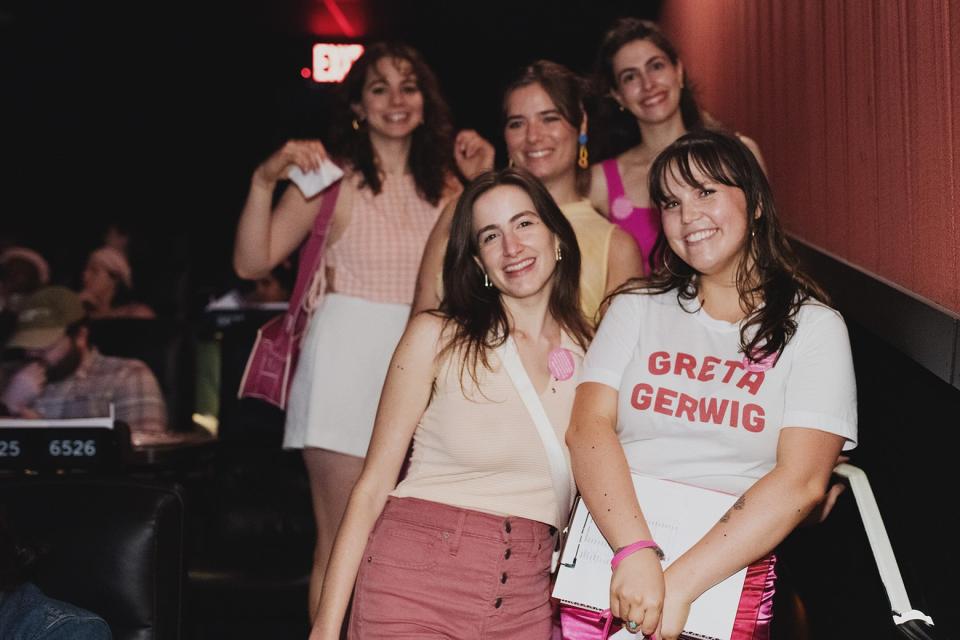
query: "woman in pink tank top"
392, 136
651, 105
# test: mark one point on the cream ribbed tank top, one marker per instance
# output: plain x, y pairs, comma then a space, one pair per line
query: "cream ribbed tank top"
481, 450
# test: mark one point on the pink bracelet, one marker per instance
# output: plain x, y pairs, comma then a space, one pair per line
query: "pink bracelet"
623, 552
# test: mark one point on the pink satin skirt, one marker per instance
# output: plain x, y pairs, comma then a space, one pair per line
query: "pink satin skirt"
752, 622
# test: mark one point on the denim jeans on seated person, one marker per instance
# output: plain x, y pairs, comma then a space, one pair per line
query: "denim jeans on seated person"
27, 614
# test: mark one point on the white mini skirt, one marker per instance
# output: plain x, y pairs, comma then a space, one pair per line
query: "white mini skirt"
343, 362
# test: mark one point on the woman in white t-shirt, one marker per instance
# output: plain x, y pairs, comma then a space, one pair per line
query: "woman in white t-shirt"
726, 370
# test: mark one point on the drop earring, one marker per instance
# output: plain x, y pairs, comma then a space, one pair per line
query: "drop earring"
486, 281
559, 254
583, 161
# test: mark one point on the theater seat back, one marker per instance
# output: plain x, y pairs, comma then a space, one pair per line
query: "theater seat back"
112, 546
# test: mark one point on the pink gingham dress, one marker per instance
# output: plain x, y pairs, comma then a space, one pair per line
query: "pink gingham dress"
352, 334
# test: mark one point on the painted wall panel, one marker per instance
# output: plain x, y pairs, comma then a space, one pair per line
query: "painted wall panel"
854, 104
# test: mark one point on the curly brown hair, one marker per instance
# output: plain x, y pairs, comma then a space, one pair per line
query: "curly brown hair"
431, 149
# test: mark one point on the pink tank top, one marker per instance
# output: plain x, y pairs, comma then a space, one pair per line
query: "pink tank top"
643, 223
378, 254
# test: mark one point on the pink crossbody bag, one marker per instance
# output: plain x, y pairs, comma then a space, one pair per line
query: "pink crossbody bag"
273, 358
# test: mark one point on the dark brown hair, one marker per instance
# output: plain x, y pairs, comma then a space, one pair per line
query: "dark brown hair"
619, 126
474, 312
567, 91
770, 283
431, 149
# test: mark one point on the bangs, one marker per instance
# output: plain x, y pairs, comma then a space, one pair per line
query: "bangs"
681, 163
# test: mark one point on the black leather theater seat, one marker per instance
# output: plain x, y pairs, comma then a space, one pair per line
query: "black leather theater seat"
112, 546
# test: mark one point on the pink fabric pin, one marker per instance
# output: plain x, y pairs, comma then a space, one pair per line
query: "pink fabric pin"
760, 365
560, 362
621, 208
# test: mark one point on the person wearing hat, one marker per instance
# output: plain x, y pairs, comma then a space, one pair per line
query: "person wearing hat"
22, 271
64, 377
108, 286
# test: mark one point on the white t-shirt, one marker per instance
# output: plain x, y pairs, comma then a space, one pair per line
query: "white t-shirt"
690, 411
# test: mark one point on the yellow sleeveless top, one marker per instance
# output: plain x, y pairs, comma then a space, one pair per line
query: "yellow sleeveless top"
593, 235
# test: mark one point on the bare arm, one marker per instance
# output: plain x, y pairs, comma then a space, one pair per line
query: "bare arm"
406, 393
428, 289
264, 237
603, 477
624, 259
759, 521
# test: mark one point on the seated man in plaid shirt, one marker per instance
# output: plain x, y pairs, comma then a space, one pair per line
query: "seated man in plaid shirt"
65, 377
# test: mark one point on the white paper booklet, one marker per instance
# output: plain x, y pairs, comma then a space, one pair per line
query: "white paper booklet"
314, 182
678, 516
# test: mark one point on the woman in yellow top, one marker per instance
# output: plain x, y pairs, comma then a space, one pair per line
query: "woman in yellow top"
545, 129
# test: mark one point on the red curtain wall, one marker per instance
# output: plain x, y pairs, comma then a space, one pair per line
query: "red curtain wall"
856, 107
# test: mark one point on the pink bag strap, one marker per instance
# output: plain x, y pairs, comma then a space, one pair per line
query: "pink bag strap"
614, 182
312, 253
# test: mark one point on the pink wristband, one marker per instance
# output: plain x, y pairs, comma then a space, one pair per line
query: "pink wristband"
623, 552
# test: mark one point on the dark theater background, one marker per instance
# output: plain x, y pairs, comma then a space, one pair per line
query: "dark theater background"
153, 116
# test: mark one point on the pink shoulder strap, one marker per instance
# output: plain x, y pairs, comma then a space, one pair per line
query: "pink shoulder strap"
614, 182
312, 250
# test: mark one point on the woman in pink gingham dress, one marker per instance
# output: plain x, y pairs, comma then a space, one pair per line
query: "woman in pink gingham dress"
361, 294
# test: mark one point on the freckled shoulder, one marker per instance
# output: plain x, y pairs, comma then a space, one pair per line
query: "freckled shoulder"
428, 331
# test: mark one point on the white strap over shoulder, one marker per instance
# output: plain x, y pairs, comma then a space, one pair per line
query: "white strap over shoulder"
559, 468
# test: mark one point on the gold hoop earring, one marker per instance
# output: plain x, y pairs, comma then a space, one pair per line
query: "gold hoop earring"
355, 124
486, 281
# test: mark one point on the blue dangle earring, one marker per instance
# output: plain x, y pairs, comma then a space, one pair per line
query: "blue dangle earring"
583, 161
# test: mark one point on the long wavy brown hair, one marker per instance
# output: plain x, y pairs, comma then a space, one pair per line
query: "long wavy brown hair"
618, 127
476, 317
770, 283
431, 150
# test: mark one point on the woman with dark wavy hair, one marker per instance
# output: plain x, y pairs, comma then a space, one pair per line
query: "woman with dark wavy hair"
462, 546
726, 370
647, 103
392, 138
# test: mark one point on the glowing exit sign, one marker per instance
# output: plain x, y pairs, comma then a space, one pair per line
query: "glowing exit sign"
331, 62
